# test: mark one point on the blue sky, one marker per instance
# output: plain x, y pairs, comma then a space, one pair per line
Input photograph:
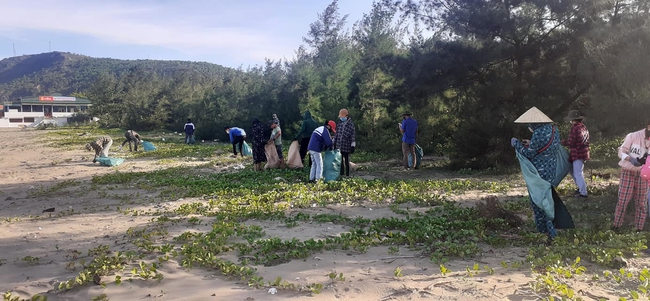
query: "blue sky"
229, 33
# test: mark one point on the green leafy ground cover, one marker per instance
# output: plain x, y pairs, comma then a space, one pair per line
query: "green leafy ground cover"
220, 233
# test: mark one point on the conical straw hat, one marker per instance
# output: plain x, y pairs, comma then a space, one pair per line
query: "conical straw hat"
534, 115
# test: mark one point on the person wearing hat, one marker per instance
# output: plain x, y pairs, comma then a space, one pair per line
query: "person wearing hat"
320, 141
578, 144
344, 140
409, 129
631, 185
541, 152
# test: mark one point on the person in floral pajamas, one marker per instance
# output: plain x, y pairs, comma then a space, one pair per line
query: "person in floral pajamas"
540, 151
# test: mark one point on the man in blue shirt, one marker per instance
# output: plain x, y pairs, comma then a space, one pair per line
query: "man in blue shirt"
237, 136
409, 129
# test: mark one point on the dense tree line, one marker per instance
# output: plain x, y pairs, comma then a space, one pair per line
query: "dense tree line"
466, 68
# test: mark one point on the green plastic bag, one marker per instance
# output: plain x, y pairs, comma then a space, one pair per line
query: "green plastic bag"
419, 153
107, 161
246, 149
331, 165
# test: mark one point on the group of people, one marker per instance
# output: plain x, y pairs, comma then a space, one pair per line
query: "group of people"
542, 149
102, 144
313, 138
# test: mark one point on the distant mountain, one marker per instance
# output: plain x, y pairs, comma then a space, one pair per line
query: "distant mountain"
65, 73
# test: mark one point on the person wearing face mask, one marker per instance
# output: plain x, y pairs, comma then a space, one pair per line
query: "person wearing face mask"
633, 154
540, 151
344, 140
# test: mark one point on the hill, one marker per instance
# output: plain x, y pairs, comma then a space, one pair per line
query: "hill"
65, 73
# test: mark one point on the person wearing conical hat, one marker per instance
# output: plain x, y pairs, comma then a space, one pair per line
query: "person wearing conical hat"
540, 151
578, 144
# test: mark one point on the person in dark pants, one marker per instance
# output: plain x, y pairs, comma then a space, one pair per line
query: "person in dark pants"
131, 137
237, 137
304, 135
344, 140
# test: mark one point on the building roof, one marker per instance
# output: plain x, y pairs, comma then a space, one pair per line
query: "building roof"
55, 99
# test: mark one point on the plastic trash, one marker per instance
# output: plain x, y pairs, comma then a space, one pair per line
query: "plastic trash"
107, 161
148, 146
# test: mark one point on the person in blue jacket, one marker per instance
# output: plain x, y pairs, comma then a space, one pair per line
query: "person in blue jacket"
409, 129
320, 141
237, 136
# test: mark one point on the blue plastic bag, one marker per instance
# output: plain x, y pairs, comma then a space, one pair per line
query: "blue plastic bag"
563, 165
246, 150
107, 161
419, 153
148, 146
331, 165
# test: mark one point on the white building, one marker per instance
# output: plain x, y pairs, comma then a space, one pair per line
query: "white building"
31, 111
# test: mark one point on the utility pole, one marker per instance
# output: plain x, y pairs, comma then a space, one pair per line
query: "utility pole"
14, 45
50, 46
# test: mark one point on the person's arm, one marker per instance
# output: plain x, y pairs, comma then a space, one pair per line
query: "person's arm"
327, 139
624, 150
536, 143
352, 135
232, 139
401, 127
303, 129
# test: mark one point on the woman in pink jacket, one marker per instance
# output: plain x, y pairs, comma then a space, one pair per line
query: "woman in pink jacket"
633, 153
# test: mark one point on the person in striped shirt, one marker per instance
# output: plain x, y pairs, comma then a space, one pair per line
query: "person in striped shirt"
101, 146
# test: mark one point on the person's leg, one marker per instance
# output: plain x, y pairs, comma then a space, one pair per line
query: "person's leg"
640, 195
317, 160
234, 147
107, 147
187, 138
345, 157
577, 172
125, 142
625, 193
304, 143
312, 170
135, 144
542, 222
241, 146
415, 155
405, 154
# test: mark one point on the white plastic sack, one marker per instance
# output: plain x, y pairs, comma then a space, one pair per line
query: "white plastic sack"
272, 159
294, 160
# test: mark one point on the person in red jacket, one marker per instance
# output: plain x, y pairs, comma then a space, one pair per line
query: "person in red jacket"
578, 144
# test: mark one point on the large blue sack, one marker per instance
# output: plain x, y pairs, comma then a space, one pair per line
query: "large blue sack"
148, 146
540, 190
419, 153
246, 150
331, 165
107, 161
563, 165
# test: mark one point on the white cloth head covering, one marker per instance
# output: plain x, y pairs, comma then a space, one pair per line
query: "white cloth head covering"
534, 115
